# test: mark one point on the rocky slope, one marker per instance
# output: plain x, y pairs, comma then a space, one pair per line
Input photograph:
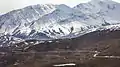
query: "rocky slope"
80, 50
45, 22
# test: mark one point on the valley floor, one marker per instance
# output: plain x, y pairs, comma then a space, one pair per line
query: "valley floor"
79, 58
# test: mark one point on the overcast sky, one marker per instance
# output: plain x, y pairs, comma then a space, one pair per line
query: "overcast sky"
8, 5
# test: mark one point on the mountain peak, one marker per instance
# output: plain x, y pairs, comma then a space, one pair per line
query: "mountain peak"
63, 6
96, 1
100, 0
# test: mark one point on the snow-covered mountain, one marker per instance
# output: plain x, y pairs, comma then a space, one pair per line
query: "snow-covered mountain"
101, 10
57, 21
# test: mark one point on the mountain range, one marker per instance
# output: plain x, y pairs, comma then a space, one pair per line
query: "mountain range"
47, 22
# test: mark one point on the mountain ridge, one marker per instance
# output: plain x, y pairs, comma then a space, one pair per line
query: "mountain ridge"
58, 21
